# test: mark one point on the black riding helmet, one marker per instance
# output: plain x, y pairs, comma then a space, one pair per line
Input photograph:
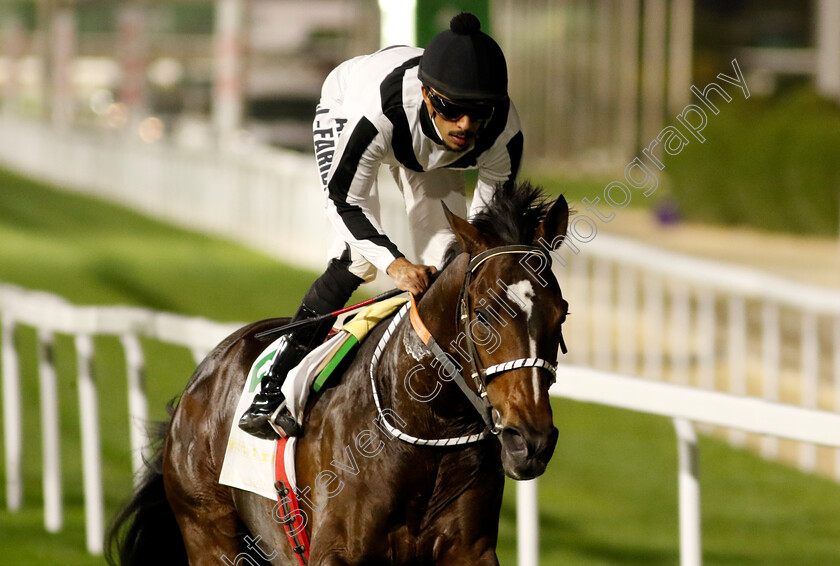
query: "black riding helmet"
465, 64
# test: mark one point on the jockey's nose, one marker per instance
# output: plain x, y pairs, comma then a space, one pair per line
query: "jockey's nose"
465, 122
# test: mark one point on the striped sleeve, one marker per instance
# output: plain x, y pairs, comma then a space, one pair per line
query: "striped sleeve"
504, 168
351, 206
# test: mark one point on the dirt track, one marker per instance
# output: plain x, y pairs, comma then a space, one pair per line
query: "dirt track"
807, 259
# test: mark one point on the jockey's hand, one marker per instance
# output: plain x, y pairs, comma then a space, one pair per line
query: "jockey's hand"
410, 277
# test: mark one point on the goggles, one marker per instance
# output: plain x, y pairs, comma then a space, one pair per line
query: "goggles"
454, 111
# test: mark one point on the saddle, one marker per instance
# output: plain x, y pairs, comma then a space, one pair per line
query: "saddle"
312, 374
249, 461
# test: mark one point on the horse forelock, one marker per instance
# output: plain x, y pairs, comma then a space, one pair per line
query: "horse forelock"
514, 213
511, 217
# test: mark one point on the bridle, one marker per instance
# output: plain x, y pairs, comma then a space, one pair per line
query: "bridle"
480, 376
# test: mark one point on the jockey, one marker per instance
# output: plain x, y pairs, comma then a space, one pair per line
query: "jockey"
426, 114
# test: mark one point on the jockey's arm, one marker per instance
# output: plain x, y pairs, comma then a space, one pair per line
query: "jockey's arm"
352, 202
497, 166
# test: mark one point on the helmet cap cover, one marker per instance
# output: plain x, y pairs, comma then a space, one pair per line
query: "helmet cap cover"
465, 64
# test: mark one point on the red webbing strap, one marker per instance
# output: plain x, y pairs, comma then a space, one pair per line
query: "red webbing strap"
417, 322
292, 516
480, 402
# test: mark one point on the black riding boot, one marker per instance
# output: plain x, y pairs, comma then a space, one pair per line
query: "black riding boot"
328, 293
268, 412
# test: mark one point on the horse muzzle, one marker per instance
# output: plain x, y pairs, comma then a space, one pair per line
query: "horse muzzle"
525, 453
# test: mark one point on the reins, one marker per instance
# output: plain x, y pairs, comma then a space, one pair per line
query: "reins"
405, 437
478, 398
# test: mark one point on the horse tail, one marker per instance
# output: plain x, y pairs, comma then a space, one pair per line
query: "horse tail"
145, 530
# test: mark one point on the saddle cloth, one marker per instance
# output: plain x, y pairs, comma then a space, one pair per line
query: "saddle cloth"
249, 461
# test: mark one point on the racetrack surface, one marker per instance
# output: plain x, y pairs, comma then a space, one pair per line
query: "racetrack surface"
608, 497
808, 259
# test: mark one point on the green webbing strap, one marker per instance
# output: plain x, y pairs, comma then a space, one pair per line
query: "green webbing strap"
345, 348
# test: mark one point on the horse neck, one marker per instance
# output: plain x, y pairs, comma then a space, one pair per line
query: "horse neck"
438, 307
449, 413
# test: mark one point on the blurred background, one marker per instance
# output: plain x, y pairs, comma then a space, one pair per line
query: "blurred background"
157, 154
595, 82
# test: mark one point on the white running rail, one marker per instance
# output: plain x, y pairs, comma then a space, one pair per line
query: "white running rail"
267, 199
637, 310
690, 321
50, 315
685, 405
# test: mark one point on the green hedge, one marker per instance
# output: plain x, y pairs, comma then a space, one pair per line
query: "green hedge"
767, 163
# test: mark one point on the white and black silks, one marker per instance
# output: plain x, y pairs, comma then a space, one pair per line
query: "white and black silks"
372, 113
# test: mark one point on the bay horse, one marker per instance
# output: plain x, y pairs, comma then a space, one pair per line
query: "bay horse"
403, 460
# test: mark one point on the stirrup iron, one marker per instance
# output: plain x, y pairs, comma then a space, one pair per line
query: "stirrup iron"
282, 432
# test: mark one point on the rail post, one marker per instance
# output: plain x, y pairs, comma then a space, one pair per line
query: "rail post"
527, 523
91, 449
51, 444
12, 425
138, 406
691, 553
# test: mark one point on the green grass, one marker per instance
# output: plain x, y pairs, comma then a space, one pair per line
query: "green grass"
609, 496
96, 253
573, 186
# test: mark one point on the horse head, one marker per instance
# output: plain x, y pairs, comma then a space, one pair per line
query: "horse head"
511, 312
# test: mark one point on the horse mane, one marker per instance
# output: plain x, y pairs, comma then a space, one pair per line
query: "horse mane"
512, 215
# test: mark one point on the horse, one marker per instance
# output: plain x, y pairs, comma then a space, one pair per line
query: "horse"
403, 459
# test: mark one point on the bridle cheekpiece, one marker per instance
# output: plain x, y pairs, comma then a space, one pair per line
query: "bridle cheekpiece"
480, 377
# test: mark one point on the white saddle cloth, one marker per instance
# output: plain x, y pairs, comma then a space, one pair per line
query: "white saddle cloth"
249, 461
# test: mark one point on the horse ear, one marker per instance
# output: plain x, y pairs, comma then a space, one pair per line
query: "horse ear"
467, 235
555, 224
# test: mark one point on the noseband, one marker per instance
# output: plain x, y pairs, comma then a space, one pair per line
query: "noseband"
480, 377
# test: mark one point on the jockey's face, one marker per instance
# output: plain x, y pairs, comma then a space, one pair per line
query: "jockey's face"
458, 133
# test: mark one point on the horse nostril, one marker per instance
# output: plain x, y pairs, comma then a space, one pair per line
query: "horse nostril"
515, 443
520, 445
546, 449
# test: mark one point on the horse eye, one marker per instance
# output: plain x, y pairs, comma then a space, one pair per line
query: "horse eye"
482, 318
